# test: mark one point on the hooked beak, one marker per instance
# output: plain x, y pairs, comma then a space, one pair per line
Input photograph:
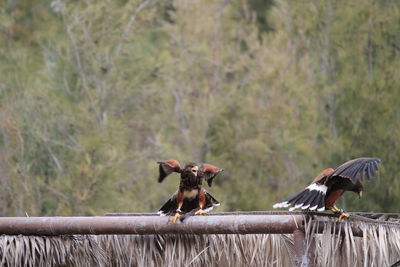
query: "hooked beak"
360, 194
195, 169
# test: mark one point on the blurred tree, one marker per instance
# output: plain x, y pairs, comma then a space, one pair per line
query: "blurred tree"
92, 93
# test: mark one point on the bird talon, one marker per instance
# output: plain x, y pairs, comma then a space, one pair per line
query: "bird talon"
176, 217
200, 212
336, 210
343, 215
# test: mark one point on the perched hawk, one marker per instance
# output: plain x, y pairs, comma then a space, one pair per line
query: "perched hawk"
190, 195
330, 184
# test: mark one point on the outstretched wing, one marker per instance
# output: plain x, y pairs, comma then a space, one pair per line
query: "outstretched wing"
311, 198
357, 169
208, 172
167, 167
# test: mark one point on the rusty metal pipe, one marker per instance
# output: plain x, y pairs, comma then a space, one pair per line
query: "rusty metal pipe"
143, 225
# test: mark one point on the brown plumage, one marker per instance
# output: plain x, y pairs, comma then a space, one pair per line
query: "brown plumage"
208, 172
190, 195
330, 185
167, 167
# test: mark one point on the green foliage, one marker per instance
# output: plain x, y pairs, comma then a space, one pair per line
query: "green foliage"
92, 93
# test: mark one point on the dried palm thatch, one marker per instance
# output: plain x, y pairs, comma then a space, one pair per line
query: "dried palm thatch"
378, 245
50, 251
204, 250
354, 243
147, 250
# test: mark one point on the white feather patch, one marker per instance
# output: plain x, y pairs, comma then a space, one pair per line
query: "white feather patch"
318, 187
313, 207
210, 208
281, 205
296, 207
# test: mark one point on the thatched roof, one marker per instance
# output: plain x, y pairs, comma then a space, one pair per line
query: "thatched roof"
357, 242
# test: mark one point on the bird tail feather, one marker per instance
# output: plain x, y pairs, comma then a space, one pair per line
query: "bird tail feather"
169, 207
311, 198
211, 202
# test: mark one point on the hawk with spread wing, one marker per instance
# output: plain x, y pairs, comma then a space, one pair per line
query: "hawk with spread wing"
330, 185
190, 195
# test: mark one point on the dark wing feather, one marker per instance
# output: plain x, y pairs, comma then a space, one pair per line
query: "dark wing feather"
167, 167
208, 172
357, 169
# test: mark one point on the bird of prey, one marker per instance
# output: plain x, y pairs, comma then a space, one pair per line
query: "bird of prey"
330, 184
190, 195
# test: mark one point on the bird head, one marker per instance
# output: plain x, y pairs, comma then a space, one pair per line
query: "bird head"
192, 167
195, 169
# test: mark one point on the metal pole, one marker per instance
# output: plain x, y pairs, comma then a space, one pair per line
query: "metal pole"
143, 225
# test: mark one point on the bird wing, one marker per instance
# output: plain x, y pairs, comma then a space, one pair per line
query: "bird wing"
208, 172
167, 167
313, 196
320, 179
357, 169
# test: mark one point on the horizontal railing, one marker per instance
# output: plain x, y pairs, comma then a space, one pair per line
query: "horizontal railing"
150, 223
143, 225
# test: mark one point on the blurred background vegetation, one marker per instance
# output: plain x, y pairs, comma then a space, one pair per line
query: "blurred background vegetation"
92, 93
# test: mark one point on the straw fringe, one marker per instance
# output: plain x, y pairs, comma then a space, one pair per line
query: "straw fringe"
147, 250
196, 250
378, 246
50, 251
